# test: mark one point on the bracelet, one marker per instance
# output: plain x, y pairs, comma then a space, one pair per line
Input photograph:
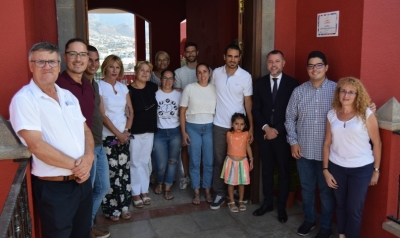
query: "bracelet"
251, 159
324, 169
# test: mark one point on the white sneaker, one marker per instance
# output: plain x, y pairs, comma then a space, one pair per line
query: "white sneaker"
184, 183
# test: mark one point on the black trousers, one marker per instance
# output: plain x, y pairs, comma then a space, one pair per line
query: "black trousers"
275, 151
65, 208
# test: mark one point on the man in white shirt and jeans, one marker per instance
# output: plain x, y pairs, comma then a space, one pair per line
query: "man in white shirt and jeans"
49, 121
234, 91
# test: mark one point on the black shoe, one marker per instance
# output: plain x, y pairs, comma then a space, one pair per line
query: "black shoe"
282, 216
305, 228
262, 210
218, 201
324, 233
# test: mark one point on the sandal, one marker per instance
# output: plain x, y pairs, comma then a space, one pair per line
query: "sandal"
137, 203
209, 198
114, 218
242, 207
232, 206
146, 200
126, 215
196, 199
158, 189
168, 195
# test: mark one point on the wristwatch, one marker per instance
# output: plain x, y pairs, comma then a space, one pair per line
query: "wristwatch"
376, 170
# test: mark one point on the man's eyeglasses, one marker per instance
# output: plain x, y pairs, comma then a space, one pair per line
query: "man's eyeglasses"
315, 66
74, 54
344, 92
163, 60
42, 63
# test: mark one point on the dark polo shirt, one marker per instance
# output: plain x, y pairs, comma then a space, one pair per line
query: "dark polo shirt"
83, 92
97, 128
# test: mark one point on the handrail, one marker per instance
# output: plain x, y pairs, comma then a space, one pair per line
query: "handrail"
13, 213
392, 217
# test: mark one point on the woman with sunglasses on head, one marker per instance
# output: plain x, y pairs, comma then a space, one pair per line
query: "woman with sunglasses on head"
114, 98
350, 165
142, 93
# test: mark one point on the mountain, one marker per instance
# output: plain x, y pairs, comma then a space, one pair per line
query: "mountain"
97, 28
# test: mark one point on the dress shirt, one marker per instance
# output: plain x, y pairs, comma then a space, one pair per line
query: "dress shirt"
306, 117
277, 81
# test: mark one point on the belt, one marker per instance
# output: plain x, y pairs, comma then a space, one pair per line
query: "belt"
58, 178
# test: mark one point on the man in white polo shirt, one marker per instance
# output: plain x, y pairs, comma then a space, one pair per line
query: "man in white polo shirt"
234, 90
49, 121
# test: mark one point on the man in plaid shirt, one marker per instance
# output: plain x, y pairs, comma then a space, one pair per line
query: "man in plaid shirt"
305, 124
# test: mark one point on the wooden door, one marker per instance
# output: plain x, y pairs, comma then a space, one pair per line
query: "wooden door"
249, 39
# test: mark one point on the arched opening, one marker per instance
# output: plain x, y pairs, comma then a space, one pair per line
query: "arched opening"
114, 31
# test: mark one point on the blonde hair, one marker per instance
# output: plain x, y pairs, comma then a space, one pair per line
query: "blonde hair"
109, 60
361, 100
140, 63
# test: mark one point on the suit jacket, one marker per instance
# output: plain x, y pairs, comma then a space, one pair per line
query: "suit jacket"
263, 107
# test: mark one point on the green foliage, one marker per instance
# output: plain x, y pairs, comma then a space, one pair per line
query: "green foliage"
294, 176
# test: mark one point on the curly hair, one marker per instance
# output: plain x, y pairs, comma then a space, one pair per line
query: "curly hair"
361, 101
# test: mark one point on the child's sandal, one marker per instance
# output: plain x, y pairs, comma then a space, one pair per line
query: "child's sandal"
232, 206
242, 207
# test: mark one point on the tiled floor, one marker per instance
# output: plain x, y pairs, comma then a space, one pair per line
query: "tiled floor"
179, 218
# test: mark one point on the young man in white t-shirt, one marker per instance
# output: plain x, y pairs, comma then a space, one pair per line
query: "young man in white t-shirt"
234, 91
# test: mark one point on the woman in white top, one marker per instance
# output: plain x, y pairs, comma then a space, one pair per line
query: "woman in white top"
349, 162
197, 115
168, 139
114, 98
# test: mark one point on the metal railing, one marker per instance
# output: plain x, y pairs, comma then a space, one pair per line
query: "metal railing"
392, 217
15, 220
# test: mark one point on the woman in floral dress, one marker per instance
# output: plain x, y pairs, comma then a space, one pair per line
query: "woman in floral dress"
114, 100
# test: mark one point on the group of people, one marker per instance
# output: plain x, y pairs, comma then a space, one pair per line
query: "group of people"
96, 143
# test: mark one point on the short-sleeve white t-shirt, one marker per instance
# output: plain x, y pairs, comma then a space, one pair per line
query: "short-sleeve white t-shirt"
168, 109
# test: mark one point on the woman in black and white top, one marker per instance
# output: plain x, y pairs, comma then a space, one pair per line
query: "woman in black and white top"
168, 139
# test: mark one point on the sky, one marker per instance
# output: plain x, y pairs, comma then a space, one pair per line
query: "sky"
114, 19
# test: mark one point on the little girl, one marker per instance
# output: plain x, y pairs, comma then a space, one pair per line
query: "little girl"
236, 166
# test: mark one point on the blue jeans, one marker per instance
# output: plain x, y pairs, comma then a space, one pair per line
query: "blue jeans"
166, 150
310, 173
201, 146
350, 196
99, 176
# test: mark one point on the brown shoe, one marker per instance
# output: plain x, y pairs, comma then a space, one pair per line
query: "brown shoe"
96, 233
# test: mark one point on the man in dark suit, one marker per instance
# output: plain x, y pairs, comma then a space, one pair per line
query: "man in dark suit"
270, 98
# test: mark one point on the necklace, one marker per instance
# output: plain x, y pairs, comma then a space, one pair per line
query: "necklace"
236, 138
146, 107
